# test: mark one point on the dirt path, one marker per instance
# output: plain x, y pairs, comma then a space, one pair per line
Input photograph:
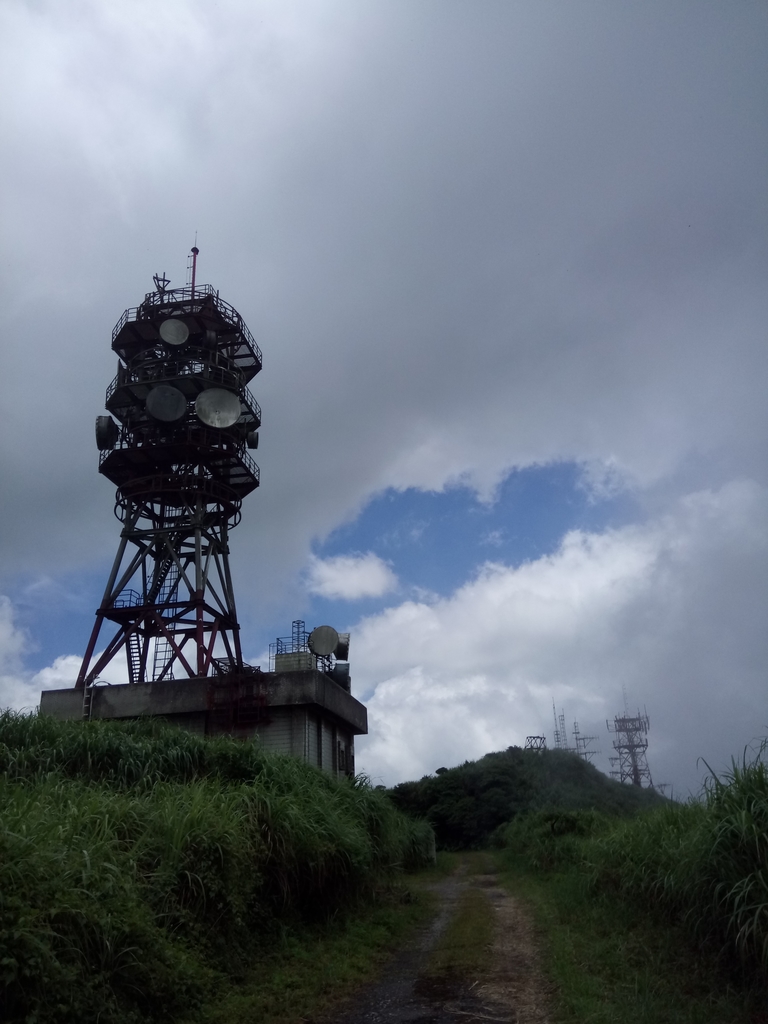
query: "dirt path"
508, 987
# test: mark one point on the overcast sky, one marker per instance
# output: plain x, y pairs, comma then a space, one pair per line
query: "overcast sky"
507, 265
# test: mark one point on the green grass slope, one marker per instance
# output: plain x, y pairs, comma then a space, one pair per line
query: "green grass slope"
465, 805
699, 867
140, 866
704, 862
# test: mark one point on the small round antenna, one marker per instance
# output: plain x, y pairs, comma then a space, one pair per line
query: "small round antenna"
166, 403
323, 641
218, 408
173, 331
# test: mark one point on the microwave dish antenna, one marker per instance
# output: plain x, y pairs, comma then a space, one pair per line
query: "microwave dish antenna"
166, 403
323, 641
218, 408
174, 332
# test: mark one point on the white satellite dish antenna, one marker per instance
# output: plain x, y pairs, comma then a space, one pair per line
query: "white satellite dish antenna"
323, 641
166, 403
174, 332
218, 408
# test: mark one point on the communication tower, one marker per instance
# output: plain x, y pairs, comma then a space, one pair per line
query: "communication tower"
175, 446
582, 744
537, 743
561, 736
631, 746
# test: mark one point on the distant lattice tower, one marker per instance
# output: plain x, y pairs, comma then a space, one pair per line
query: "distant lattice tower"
583, 743
176, 451
537, 743
631, 746
561, 736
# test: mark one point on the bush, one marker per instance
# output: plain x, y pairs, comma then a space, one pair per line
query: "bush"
705, 863
551, 839
467, 804
140, 864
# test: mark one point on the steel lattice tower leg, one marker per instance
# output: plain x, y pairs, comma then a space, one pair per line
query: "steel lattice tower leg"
172, 600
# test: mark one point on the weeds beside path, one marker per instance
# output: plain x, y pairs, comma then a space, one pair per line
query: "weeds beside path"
611, 962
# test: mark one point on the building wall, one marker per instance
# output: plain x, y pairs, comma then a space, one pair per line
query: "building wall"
313, 747
306, 714
310, 736
328, 746
277, 734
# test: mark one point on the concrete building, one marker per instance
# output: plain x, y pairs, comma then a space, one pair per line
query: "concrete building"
304, 708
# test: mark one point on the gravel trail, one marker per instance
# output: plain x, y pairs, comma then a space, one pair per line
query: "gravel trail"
508, 989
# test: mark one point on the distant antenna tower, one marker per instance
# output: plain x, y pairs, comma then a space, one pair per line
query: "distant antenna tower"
537, 743
582, 744
561, 736
631, 746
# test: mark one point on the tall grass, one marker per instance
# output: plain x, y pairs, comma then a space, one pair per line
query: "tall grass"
553, 839
140, 864
703, 864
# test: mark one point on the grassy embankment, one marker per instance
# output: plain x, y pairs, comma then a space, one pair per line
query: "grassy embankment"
649, 911
145, 874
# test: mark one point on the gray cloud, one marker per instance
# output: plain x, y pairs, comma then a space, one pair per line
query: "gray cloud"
468, 237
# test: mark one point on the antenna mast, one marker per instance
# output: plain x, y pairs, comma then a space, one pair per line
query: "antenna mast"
631, 746
193, 265
582, 744
561, 736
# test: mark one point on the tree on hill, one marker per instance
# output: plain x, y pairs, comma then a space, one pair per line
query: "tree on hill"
467, 803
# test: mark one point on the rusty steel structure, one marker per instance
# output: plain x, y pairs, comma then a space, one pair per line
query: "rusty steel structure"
175, 445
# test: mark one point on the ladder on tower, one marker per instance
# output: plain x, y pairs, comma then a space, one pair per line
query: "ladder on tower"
88, 702
168, 579
162, 656
133, 656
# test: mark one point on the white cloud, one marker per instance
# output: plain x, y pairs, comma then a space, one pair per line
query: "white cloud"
63, 673
16, 690
20, 688
674, 611
494, 538
350, 576
604, 479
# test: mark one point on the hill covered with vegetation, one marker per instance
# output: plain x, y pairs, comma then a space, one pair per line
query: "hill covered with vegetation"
618, 868
465, 805
141, 867
698, 869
